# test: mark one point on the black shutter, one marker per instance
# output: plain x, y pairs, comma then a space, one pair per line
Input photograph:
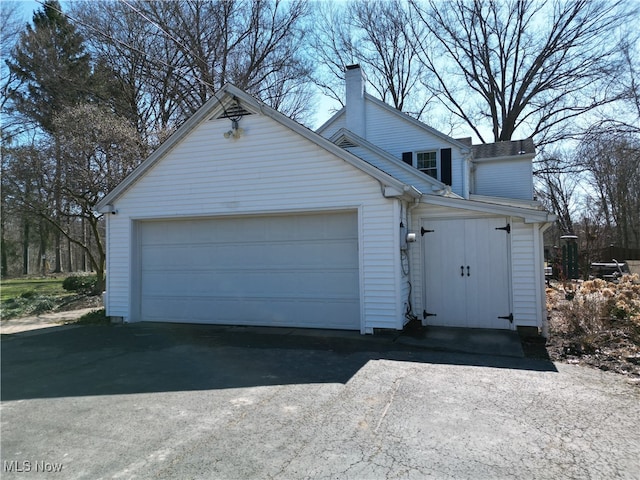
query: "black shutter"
445, 166
407, 157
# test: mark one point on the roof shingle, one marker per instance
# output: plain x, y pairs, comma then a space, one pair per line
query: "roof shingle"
504, 149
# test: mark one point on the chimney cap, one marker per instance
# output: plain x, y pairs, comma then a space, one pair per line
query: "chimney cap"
355, 66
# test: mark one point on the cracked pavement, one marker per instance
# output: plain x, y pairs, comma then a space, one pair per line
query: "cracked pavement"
138, 402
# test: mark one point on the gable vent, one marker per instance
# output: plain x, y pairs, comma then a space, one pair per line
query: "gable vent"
234, 111
344, 142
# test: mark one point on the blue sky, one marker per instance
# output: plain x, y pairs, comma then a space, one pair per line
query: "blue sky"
27, 7
325, 105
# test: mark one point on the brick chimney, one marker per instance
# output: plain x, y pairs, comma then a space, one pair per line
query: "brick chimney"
355, 82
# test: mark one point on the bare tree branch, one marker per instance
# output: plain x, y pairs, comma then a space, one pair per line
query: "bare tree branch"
527, 66
375, 35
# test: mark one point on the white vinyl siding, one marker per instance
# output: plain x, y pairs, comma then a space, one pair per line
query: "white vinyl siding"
268, 170
508, 179
395, 170
335, 123
395, 135
405, 267
526, 302
118, 261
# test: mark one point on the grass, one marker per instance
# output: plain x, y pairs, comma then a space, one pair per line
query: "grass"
24, 287
31, 296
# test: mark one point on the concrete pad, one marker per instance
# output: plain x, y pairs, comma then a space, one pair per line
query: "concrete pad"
460, 340
467, 340
476, 341
45, 320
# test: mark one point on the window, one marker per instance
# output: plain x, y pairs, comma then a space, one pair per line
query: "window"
427, 162
436, 163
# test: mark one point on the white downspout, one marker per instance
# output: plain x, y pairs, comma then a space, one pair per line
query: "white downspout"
466, 167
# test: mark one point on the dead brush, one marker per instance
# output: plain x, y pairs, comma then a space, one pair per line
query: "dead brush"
597, 316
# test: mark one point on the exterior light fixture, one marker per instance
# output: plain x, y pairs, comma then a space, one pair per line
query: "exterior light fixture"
235, 132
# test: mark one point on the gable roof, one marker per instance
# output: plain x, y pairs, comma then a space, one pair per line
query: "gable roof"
405, 117
347, 139
334, 118
217, 105
529, 213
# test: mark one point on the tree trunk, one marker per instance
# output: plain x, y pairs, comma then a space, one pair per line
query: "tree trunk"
4, 269
57, 249
84, 242
57, 214
69, 255
25, 247
42, 254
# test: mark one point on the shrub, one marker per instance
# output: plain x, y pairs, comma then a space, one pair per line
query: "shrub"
597, 305
96, 317
81, 284
43, 304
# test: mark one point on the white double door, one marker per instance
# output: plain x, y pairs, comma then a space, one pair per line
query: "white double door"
466, 268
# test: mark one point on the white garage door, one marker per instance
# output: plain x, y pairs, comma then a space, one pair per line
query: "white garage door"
285, 270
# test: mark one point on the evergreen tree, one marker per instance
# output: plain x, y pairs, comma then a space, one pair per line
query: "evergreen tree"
55, 70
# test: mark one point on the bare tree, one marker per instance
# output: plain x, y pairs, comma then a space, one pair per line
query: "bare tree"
173, 55
631, 53
28, 171
559, 189
11, 28
521, 65
54, 71
9, 81
623, 116
101, 150
375, 35
612, 161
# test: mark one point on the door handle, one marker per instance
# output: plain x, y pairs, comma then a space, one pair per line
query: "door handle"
468, 274
462, 270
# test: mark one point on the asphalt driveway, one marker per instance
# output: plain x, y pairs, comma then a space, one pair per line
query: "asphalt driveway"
149, 401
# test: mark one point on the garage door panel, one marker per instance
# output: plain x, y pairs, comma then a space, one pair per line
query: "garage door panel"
300, 270
252, 230
212, 255
286, 283
255, 311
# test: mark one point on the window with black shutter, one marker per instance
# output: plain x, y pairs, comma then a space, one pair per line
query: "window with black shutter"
435, 163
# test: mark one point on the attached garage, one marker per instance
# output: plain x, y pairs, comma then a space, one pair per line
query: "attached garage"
271, 270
